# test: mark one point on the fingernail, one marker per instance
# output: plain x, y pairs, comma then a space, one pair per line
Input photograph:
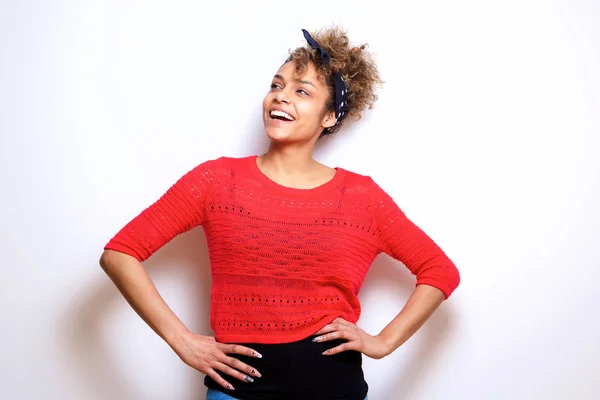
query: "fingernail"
248, 379
256, 373
326, 352
317, 339
256, 354
230, 387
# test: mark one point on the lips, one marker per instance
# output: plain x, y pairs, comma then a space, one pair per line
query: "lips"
279, 114
278, 122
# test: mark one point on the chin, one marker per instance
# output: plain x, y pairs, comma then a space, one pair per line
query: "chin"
277, 134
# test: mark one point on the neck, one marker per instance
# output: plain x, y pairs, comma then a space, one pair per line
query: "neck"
288, 161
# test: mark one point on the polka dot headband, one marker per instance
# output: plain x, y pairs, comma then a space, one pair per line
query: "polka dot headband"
341, 91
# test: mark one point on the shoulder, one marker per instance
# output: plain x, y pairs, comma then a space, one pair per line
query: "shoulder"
222, 169
222, 163
366, 185
358, 180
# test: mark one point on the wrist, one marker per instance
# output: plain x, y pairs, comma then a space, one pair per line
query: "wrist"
177, 338
388, 342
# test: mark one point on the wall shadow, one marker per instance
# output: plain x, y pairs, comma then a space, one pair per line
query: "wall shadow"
390, 278
187, 257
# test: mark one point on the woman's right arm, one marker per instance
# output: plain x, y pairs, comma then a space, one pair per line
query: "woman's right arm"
201, 352
180, 209
130, 277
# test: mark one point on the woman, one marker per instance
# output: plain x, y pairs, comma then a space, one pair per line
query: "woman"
290, 242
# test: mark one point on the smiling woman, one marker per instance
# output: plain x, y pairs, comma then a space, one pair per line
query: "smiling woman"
290, 242
329, 81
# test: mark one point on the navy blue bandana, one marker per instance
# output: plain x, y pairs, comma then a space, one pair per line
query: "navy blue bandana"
341, 92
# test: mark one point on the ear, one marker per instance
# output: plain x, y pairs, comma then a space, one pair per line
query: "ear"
328, 120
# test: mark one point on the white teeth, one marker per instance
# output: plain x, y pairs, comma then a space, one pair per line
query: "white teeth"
281, 114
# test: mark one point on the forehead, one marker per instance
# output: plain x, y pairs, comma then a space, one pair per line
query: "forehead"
288, 72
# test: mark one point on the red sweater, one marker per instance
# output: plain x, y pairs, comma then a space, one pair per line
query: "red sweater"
285, 262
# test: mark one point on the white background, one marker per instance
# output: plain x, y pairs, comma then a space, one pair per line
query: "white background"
486, 134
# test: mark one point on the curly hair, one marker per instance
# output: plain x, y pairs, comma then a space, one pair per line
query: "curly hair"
354, 63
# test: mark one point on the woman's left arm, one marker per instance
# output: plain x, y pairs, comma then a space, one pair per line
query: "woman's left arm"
437, 277
420, 306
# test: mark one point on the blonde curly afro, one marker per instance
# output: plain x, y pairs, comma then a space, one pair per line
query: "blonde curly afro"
354, 63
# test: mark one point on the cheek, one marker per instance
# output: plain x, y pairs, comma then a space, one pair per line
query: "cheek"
266, 102
310, 112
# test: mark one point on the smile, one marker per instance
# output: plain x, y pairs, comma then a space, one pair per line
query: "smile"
281, 115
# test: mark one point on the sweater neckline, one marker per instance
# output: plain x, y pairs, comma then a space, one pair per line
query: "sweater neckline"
334, 182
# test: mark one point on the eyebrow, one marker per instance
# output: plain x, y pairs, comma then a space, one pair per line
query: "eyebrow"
297, 80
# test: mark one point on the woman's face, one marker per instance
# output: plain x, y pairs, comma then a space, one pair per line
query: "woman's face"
294, 109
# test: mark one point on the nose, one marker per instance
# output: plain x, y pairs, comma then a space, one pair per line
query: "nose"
282, 96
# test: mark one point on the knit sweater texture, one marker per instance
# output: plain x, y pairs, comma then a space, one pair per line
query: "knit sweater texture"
284, 261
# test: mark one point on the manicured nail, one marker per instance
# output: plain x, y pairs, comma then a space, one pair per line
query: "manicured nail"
230, 387
256, 354
256, 373
248, 379
317, 339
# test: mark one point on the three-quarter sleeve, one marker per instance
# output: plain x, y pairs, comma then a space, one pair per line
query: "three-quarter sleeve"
403, 240
178, 210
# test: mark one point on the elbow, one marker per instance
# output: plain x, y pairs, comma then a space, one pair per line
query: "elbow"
456, 277
445, 277
104, 260
453, 280
110, 258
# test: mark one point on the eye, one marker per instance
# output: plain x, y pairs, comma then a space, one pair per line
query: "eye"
304, 92
275, 86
